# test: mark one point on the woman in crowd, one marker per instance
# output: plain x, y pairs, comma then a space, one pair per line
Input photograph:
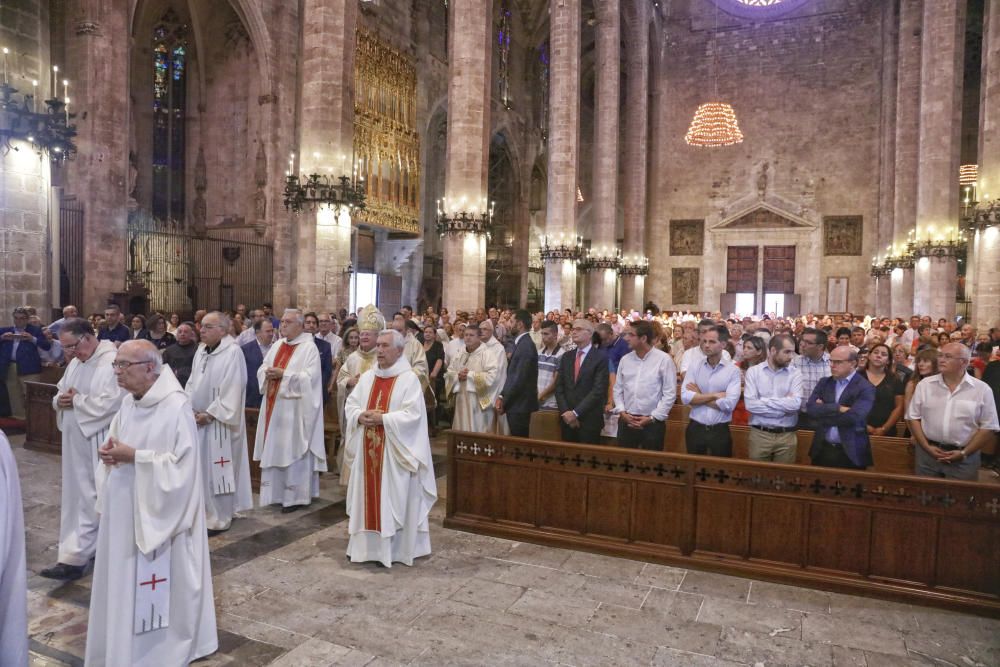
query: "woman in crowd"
352, 340
901, 363
980, 357
888, 407
173, 322
754, 352
435, 366
925, 364
138, 328
158, 334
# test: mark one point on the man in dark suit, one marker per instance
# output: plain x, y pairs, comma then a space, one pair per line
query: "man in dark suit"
325, 353
839, 407
114, 329
19, 358
519, 396
254, 353
582, 387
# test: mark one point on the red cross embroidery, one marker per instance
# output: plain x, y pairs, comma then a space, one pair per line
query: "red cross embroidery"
152, 582
222, 461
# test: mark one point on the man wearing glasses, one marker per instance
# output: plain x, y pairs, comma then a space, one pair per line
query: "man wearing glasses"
814, 365
19, 358
88, 399
839, 407
952, 416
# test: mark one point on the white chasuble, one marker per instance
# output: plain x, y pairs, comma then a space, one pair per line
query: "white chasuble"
392, 487
475, 396
357, 363
149, 508
13, 565
84, 428
289, 443
218, 386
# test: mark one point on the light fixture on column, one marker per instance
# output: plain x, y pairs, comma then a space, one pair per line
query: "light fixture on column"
714, 123
634, 265
600, 259
946, 243
464, 218
984, 214
23, 119
561, 247
319, 191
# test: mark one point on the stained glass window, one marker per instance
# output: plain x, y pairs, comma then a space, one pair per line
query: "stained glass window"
503, 45
169, 107
758, 9
543, 87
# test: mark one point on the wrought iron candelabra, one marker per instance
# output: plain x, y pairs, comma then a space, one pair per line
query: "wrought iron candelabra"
46, 129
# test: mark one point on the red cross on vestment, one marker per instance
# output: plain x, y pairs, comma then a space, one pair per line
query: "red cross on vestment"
152, 582
222, 461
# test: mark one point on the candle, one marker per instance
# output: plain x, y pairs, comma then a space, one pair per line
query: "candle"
34, 94
67, 111
65, 87
55, 72
5, 52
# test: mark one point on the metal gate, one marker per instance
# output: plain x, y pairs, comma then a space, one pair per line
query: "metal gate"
182, 272
70, 252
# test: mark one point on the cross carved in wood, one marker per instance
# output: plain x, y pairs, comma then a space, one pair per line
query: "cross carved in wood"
817, 486
721, 476
993, 506
626, 466
562, 459
703, 474
947, 500
462, 447
489, 450
659, 470
578, 460
475, 448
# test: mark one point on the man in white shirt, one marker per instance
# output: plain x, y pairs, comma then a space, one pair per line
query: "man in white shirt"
695, 355
250, 332
951, 416
772, 393
645, 390
326, 332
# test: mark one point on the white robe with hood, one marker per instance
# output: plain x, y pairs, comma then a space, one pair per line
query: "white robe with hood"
409, 488
84, 429
293, 452
13, 567
218, 386
144, 506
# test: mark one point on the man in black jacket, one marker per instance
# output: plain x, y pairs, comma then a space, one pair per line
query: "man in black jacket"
519, 397
582, 387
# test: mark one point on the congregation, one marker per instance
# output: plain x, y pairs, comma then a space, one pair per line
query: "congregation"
161, 401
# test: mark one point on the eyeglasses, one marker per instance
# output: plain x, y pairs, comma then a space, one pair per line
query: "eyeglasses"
841, 361
950, 357
211, 326
74, 345
122, 365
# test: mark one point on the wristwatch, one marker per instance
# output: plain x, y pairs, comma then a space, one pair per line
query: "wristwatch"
964, 454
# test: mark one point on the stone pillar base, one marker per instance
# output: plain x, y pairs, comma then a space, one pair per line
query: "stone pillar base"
633, 292
986, 291
560, 285
901, 293
934, 283
464, 272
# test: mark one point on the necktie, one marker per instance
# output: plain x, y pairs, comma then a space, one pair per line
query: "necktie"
576, 365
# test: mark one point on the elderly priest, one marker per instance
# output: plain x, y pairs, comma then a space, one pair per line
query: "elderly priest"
392, 487
289, 442
151, 602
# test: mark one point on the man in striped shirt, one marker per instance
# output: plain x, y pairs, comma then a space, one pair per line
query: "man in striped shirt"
549, 353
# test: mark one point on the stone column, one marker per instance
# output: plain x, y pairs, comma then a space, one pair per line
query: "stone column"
941, 74
635, 154
97, 63
602, 283
326, 140
986, 287
887, 150
467, 154
907, 142
564, 144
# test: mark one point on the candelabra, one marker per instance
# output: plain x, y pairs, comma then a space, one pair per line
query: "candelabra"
981, 215
47, 129
468, 220
599, 259
937, 246
634, 266
314, 191
879, 270
560, 248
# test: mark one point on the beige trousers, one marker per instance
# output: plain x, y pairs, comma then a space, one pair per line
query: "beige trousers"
16, 392
777, 447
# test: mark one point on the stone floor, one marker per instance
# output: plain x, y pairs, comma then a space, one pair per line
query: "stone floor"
286, 596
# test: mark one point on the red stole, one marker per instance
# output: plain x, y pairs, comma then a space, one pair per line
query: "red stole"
281, 360
374, 449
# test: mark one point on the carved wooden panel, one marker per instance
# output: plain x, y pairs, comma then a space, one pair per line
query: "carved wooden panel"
929, 540
741, 269
41, 432
779, 269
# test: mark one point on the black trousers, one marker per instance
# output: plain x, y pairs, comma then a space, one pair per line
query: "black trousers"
589, 432
649, 437
708, 440
832, 456
519, 423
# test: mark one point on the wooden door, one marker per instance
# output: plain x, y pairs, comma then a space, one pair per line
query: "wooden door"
741, 269
779, 269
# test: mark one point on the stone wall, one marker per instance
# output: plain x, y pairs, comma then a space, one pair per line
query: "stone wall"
806, 88
24, 176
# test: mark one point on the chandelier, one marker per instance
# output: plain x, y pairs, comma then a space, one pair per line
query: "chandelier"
714, 124
474, 219
316, 191
561, 247
46, 128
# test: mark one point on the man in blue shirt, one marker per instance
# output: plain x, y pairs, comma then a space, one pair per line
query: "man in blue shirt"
712, 389
113, 329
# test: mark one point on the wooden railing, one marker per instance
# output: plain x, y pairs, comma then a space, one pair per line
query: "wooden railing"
918, 539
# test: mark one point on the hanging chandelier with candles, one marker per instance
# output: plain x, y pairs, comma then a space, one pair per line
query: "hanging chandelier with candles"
45, 125
714, 123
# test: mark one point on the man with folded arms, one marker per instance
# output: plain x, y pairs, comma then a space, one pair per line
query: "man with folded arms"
644, 391
712, 389
772, 394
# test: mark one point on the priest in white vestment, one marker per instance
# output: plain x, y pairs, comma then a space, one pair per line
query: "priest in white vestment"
289, 442
392, 486
13, 567
151, 603
217, 388
487, 334
88, 399
362, 360
473, 379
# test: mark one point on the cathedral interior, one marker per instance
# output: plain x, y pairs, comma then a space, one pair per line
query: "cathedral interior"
331, 153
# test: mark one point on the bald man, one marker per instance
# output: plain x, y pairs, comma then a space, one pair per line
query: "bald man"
839, 407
